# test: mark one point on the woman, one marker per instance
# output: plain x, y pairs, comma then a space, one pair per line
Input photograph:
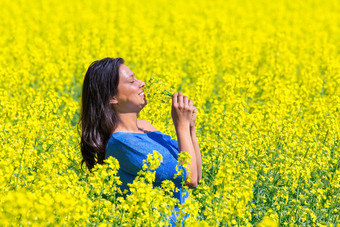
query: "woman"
112, 97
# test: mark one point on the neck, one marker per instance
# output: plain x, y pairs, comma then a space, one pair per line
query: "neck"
127, 122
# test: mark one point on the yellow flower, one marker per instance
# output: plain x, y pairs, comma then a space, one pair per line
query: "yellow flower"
266, 92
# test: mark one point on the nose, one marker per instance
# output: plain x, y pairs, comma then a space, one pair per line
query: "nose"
142, 84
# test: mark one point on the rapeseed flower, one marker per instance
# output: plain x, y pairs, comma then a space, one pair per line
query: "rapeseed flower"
264, 78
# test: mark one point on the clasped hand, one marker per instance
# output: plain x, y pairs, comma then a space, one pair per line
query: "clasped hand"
183, 112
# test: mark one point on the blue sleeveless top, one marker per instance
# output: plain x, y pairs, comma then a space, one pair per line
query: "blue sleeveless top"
130, 149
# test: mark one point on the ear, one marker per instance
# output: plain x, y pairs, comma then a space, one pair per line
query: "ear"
113, 100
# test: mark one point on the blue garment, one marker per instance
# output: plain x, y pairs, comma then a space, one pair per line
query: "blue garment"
130, 149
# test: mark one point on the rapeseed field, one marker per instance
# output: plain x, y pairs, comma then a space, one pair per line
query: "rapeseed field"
264, 76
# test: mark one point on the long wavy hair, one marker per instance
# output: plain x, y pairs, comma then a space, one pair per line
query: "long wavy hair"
98, 118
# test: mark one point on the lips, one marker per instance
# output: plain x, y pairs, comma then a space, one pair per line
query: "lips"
141, 94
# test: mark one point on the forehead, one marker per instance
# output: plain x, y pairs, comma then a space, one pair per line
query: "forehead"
125, 72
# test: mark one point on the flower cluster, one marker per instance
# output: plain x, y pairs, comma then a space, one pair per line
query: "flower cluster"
264, 78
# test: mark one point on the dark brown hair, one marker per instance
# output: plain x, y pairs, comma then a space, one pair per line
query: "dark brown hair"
97, 117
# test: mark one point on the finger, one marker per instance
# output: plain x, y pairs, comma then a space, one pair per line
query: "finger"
195, 110
190, 102
174, 99
180, 99
185, 101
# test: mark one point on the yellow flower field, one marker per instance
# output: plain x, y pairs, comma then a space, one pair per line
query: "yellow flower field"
264, 76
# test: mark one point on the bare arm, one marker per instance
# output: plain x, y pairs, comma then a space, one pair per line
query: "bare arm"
197, 152
182, 110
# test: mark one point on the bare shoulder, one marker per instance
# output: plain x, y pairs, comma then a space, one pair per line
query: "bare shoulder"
146, 125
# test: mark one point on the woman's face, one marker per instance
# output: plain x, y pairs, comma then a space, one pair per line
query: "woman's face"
130, 97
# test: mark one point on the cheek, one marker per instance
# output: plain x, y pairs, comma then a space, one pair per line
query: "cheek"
135, 87
127, 90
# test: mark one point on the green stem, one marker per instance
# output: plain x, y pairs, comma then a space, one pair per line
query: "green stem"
22, 155
220, 205
5, 121
100, 198
135, 221
121, 220
167, 93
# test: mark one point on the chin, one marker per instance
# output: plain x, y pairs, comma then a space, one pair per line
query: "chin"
144, 104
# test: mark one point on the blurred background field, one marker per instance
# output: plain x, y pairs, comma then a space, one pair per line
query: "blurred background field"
264, 76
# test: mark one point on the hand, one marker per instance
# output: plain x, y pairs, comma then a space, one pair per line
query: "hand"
181, 111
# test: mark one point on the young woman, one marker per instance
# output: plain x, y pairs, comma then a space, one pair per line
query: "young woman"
112, 97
